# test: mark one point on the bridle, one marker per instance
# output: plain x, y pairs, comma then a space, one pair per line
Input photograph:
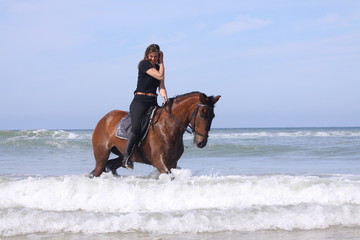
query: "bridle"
209, 119
193, 117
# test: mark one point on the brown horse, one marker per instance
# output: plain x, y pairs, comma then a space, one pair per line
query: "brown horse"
163, 145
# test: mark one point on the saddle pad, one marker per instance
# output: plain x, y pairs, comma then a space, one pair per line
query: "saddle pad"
124, 127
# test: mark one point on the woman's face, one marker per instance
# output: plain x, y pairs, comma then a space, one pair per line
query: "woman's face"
153, 57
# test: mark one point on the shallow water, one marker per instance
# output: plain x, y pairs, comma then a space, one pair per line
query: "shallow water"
246, 183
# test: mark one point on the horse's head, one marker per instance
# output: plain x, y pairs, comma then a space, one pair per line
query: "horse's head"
201, 119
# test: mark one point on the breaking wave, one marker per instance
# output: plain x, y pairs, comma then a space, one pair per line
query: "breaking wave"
189, 204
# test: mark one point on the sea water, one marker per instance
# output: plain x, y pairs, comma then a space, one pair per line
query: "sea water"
282, 183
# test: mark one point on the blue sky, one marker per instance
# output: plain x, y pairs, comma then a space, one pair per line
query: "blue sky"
65, 64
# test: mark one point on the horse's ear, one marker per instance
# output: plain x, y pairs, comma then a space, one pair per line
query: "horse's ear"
215, 99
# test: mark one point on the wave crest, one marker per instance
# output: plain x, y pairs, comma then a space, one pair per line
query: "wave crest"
187, 204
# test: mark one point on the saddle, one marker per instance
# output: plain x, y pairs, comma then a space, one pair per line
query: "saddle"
124, 127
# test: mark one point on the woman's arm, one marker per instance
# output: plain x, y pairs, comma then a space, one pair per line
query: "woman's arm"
162, 91
159, 75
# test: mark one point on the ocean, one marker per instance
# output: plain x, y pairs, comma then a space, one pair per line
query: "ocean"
261, 183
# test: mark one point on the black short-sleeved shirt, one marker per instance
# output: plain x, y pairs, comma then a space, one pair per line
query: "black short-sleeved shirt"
146, 83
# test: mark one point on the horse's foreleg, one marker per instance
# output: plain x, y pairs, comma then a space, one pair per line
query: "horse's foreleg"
162, 168
171, 175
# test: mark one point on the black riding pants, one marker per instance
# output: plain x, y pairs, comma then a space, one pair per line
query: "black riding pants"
138, 108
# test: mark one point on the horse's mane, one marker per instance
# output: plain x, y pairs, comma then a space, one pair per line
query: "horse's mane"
183, 96
190, 93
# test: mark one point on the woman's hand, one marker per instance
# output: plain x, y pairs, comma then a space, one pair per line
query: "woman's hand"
165, 99
158, 74
161, 57
163, 92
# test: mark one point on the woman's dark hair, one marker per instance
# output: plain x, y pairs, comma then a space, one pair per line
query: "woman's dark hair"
151, 48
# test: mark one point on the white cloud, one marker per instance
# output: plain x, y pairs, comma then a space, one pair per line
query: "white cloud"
332, 21
243, 23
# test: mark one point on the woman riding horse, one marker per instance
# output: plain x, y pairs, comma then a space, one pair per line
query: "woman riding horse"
151, 75
163, 145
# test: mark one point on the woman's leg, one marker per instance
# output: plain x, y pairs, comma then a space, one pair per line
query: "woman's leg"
137, 111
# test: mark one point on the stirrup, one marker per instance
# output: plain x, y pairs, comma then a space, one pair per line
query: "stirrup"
128, 163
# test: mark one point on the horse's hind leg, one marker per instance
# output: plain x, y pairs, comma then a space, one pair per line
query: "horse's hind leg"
101, 156
113, 164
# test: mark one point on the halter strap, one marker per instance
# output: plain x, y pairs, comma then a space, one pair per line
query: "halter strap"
193, 115
177, 121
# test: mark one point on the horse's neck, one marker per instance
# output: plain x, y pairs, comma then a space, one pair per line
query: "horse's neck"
183, 111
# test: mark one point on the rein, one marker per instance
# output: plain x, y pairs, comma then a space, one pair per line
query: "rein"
193, 116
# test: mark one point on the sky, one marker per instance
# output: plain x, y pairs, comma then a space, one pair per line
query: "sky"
65, 64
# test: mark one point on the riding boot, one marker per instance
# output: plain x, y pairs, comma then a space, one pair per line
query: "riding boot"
130, 145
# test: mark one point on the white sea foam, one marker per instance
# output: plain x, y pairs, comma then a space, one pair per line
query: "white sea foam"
187, 204
30, 135
192, 203
259, 134
41, 134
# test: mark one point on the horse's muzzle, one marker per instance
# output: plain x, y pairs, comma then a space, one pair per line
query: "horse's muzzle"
201, 144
